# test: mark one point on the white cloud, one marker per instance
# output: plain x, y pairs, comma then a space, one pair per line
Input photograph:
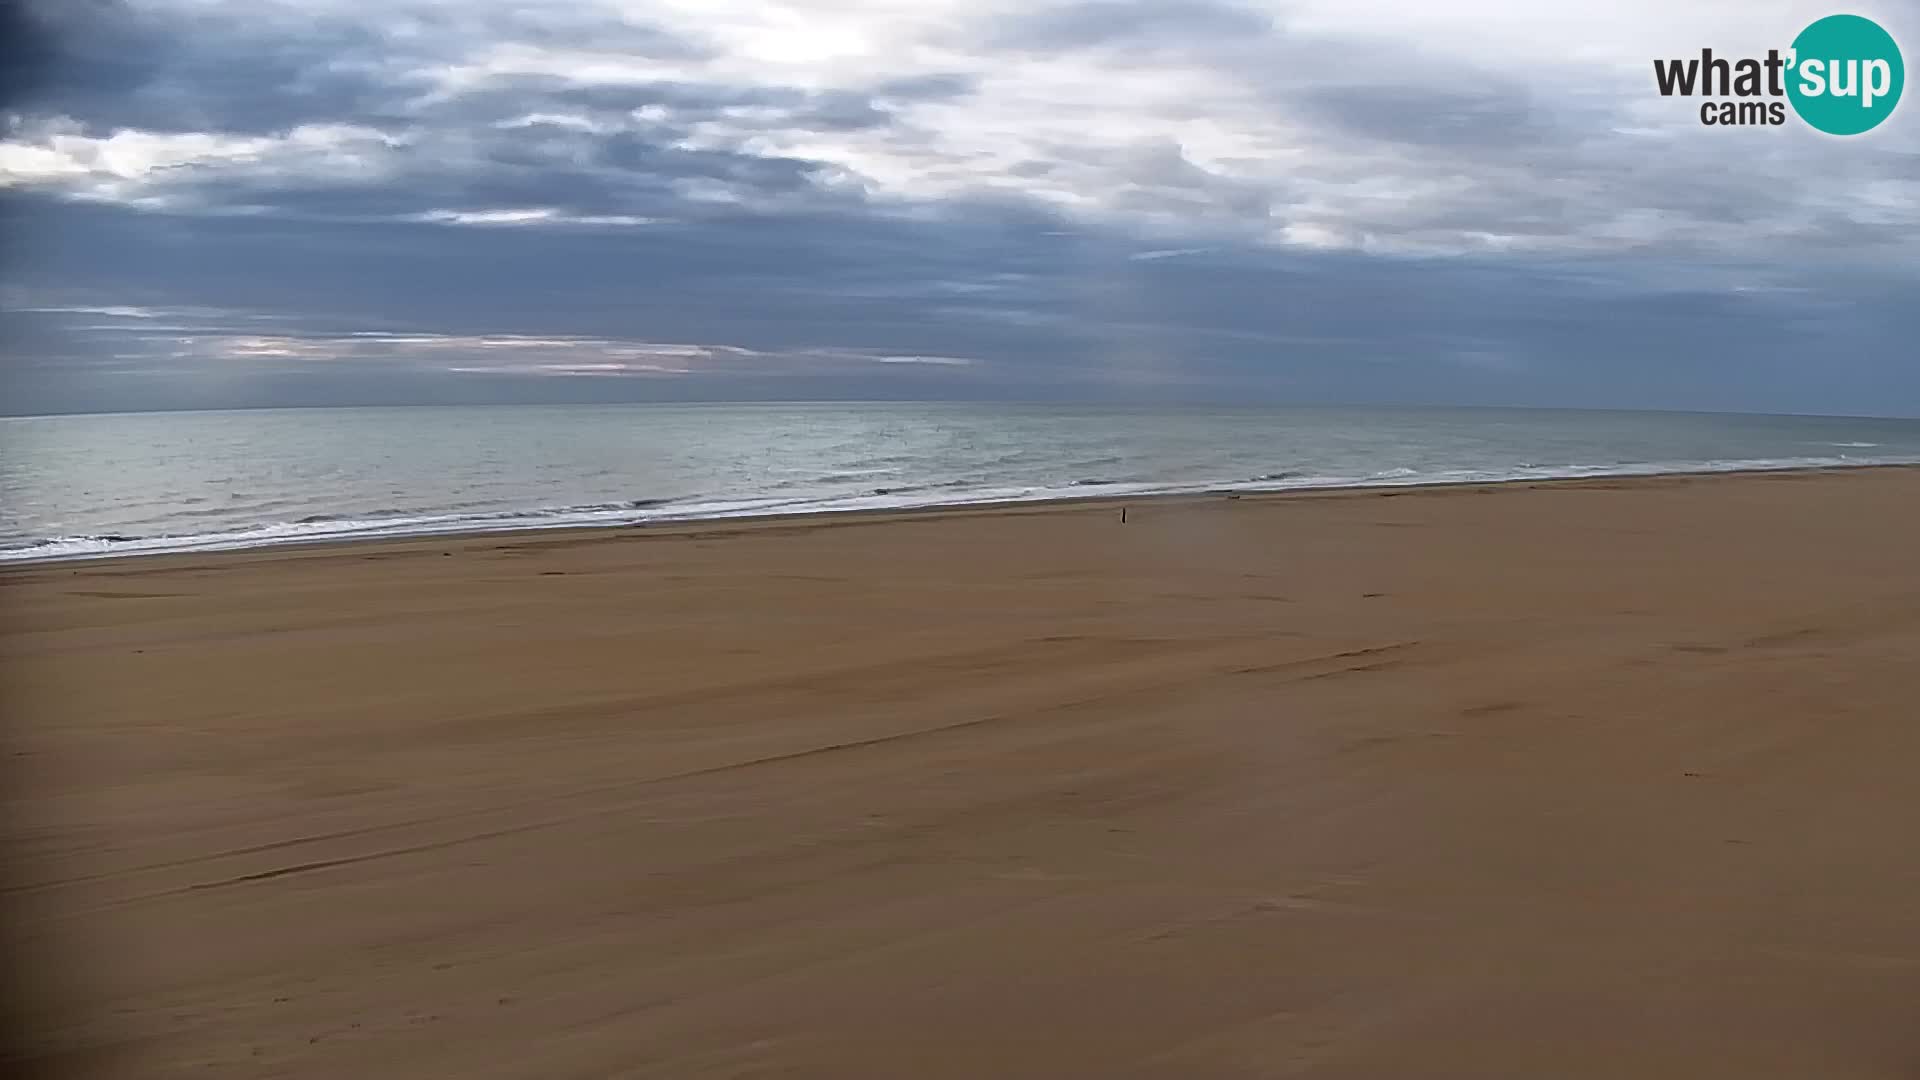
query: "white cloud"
131, 165
220, 340
58, 152
117, 311
540, 215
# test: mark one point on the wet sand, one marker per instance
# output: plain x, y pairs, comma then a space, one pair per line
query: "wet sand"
1602, 778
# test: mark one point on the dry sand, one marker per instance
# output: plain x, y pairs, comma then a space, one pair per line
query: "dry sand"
1609, 778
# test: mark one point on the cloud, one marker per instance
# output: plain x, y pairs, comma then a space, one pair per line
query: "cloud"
1298, 199
1092, 24
1312, 124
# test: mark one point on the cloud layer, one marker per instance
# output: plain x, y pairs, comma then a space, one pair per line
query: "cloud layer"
1314, 200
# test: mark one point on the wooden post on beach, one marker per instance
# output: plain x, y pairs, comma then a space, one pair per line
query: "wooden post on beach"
1123, 515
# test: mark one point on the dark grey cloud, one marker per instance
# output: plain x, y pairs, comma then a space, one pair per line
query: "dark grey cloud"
1045, 310
27, 51
945, 86
1462, 119
121, 68
542, 166
123, 65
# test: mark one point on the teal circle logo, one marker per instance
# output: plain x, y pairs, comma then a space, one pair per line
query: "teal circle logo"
1846, 75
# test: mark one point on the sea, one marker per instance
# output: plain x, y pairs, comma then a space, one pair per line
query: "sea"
108, 485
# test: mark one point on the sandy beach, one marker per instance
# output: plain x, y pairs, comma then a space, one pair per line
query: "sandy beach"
1602, 778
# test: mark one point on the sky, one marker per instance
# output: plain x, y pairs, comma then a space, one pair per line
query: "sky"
233, 203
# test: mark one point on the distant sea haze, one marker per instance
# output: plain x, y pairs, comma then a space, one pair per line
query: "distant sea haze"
88, 486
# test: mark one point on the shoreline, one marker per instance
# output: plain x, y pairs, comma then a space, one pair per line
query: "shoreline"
1045, 503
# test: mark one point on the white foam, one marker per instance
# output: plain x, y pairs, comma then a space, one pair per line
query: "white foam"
391, 525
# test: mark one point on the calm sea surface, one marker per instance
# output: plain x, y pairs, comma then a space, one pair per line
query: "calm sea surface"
103, 485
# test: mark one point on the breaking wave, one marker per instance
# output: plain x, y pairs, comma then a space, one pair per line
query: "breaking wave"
400, 522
